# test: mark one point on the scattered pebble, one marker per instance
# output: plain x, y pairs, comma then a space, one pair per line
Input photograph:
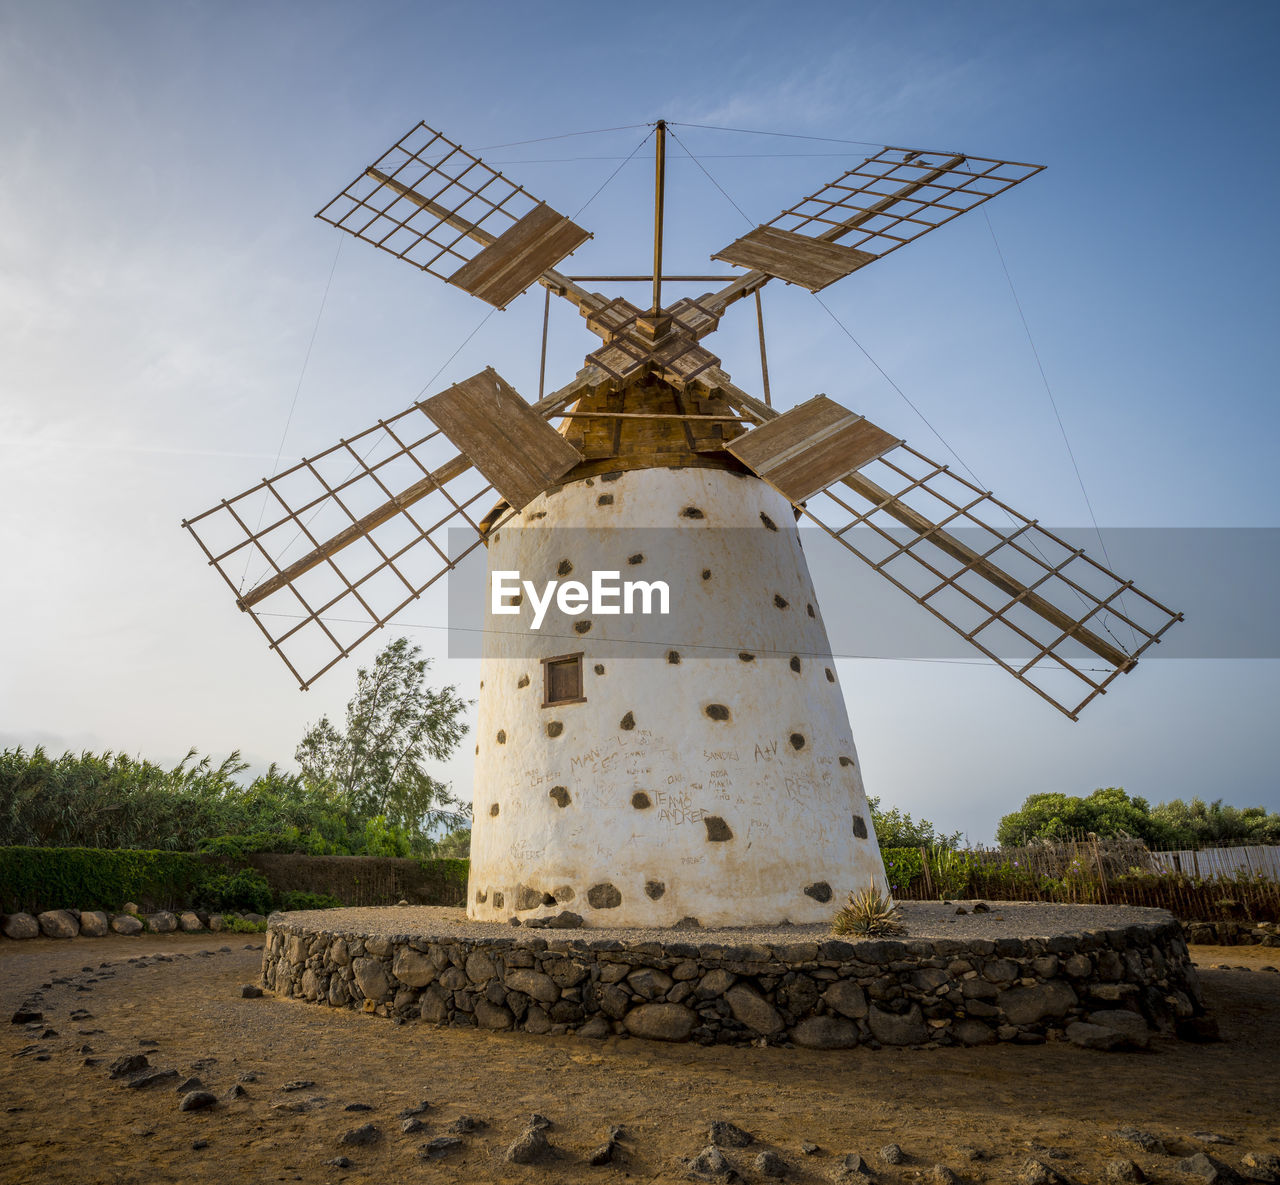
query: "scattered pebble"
357, 1107
250, 991
297, 1084
466, 1124
892, 1153
439, 1146
1144, 1140
410, 1125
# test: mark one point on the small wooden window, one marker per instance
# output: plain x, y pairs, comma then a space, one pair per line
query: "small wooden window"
562, 680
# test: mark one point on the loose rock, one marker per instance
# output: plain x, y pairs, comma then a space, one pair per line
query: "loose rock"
197, 1100
1124, 1170
729, 1135
892, 1154
770, 1164
1208, 1169
362, 1136
531, 1147
710, 1162
439, 1146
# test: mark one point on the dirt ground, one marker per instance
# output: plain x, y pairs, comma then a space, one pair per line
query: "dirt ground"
983, 1112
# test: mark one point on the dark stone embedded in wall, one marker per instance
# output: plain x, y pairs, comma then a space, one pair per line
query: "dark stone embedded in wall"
797, 740
692, 512
819, 891
717, 711
830, 676
638, 558
501, 738
604, 896
717, 829
846, 760
809, 609
795, 663
581, 627
598, 668
554, 728
673, 657
604, 500
564, 568
563, 893
498, 899
768, 522
561, 795
527, 897
654, 889
780, 601
493, 810
640, 800
746, 656
607, 477
706, 573
628, 722
523, 681
859, 827
481, 896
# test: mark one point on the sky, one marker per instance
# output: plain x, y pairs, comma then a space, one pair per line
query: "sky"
175, 325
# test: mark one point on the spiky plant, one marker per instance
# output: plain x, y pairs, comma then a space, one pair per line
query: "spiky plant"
868, 914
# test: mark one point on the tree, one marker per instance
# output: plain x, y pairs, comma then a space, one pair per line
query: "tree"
394, 724
1197, 824
456, 845
1106, 812
897, 829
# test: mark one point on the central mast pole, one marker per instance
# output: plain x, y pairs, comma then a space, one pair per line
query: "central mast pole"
659, 187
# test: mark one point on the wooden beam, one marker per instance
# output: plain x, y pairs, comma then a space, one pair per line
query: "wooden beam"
584, 383
753, 281
587, 302
718, 382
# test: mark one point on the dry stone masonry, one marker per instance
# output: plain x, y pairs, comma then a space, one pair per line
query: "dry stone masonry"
1102, 988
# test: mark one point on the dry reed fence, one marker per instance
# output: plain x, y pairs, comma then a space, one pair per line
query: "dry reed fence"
1204, 885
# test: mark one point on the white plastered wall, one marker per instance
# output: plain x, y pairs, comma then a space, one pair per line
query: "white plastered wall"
638, 807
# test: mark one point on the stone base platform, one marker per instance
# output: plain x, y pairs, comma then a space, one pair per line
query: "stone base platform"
1101, 976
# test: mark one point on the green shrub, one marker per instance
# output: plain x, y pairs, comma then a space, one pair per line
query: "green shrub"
36, 879
246, 890
242, 926
869, 915
903, 866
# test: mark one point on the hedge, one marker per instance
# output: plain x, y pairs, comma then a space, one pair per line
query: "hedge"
35, 879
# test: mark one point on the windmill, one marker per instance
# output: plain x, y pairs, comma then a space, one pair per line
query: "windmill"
720, 788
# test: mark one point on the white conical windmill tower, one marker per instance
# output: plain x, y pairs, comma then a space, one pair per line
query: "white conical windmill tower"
715, 779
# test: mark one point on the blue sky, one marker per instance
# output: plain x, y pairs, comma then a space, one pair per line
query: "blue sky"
161, 277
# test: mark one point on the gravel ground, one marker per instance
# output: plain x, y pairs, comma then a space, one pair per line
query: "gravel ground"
923, 919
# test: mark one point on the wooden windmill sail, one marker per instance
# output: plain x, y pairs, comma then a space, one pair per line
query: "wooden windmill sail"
351, 536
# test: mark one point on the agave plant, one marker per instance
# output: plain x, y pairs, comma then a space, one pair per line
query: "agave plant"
869, 914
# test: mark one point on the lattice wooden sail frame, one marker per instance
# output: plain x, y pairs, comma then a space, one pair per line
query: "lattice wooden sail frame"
977, 565
889, 200
430, 202
391, 493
